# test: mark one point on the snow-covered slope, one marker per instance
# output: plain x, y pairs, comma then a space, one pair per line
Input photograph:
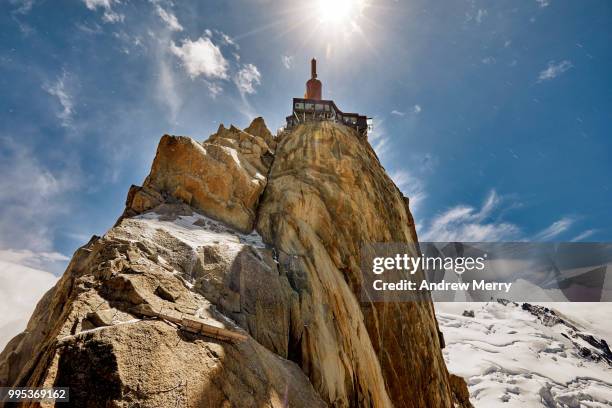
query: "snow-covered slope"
520, 355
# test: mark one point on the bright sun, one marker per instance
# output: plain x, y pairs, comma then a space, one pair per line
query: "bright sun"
338, 12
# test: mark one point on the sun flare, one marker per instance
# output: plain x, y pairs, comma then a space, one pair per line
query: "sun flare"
339, 12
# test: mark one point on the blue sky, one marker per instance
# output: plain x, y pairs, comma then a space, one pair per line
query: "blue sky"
492, 116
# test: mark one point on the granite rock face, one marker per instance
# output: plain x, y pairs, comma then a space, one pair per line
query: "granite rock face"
258, 236
258, 128
86, 332
223, 177
327, 194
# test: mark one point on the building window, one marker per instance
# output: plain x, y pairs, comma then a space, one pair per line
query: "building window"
299, 105
309, 106
319, 107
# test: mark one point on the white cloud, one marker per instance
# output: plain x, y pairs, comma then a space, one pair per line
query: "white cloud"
169, 18
416, 109
583, 235
411, 187
287, 61
58, 88
378, 139
94, 4
554, 70
488, 60
201, 57
53, 261
543, 3
466, 223
490, 204
214, 89
554, 230
247, 78
380, 144
21, 288
110, 16
226, 39
31, 196
166, 91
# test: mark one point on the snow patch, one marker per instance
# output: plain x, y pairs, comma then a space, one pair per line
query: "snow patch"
197, 230
510, 358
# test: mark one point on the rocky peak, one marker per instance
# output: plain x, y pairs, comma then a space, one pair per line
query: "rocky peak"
232, 279
223, 177
258, 128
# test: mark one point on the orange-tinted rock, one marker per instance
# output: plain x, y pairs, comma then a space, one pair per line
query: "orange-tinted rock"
327, 194
310, 340
223, 176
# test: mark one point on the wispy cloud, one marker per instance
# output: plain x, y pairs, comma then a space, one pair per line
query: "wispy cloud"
480, 15
476, 15
214, 88
201, 58
543, 3
39, 260
166, 89
488, 60
109, 16
484, 224
59, 89
467, 223
416, 109
584, 235
554, 230
31, 197
378, 139
22, 6
226, 39
287, 61
247, 78
412, 187
89, 29
553, 70
169, 18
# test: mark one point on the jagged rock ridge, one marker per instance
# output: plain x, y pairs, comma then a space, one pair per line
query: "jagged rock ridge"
185, 246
